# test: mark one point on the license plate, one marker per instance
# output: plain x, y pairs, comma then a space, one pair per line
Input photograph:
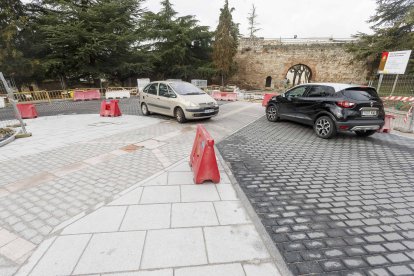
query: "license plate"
209, 111
369, 113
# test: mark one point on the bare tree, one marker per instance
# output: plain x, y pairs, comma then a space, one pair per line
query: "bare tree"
253, 25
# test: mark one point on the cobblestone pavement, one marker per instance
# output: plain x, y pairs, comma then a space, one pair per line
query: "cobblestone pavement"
42, 190
333, 207
127, 106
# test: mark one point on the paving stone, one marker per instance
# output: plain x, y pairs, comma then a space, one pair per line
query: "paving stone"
333, 265
108, 252
193, 214
226, 269
174, 248
376, 260
231, 212
263, 269
62, 256
397, 257
160, 194
353, 263
146, 217
309, 268
98, 221
233, 243
400, 270
194, 193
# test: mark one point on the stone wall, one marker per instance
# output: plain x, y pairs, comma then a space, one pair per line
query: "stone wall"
329, 62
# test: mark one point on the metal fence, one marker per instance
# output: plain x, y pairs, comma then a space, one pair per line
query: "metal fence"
394, 85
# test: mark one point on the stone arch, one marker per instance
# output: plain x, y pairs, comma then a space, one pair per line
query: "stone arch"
268, 81
298, 74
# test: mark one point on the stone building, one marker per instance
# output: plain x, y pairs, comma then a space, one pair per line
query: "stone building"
275, 64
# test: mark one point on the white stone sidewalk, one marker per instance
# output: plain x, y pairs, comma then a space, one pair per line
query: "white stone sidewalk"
163, 226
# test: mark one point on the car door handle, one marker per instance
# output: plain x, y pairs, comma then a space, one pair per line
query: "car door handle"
158, 98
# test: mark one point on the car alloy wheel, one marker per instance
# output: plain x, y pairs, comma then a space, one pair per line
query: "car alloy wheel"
144, 109
272, 113
325, 127
179, 115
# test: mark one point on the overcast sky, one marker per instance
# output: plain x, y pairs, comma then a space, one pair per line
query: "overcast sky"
285, 18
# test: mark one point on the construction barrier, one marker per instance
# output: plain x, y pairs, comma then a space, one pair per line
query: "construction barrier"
267, 98
388, 123
398, 98
84, 95
110, 109
224, 96
203, 157
117, 94
27, 111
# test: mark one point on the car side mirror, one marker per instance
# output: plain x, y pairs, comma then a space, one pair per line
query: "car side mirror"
172, 95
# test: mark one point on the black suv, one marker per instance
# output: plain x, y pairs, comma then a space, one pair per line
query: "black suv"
329, 108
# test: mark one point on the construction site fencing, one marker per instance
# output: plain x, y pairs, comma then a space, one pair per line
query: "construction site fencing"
393, 85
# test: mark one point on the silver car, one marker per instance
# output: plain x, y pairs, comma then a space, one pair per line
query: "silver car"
179, 99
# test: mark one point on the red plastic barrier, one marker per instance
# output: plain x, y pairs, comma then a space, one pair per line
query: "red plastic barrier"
203, 158
27, 111
267, 98
110, 109
224, 96
83, 95
387, 126
216, 95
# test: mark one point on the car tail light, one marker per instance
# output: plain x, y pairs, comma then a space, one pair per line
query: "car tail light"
345, 104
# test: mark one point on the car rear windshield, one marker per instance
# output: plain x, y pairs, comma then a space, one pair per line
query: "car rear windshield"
361, 93
185, 88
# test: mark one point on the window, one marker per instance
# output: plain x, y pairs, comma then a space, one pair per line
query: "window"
320, 91
185, 88
163, 90
152, 89
146, 88
296, 92
361, 94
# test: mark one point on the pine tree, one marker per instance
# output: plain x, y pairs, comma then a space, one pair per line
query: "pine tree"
13, 62
393, 26
89, 39
179, 47
225, 43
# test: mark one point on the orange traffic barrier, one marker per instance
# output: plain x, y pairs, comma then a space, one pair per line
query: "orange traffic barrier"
110, 109
203, 158
267, 98
27, 111
84, 95
387, 125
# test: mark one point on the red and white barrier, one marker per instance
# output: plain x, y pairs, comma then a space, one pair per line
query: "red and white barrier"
27, 111
224, 96
267, 98
203, 157
110, 109
84, 95
387, 123
398, 98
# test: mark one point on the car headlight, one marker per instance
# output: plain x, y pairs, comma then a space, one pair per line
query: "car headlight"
190, 104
